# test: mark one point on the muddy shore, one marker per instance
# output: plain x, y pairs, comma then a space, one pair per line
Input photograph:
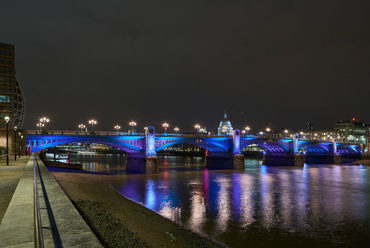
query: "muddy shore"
146, 225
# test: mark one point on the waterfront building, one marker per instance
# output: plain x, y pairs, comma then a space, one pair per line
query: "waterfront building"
11, 94
225, 127
352, 131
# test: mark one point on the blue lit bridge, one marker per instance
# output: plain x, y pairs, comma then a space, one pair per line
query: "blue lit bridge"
287, 151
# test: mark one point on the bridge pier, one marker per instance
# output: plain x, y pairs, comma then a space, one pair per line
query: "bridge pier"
299, 159
337, 159
151, 164
239, 161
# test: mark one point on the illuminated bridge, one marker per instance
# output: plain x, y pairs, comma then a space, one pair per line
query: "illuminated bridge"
284, 151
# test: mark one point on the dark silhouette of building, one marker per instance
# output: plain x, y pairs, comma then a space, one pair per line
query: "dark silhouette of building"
11, 94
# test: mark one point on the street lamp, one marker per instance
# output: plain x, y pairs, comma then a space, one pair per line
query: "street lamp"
165, 126
286, 131
44, 120
15, 143
20, 144
7, 119
82, 126
301, 133
247, 128
243, 132
268, 130
260, 133
40, 125
176, 129
132, 124
117, 127
197, 127
92, 122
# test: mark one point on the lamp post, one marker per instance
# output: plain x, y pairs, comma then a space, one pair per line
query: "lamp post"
40, 125
286, 131
44, 121
243, 132
247, 128
197, 127
117, 127
7, 119
176, 129
82, 126
165, 126
268, 130
92, 122
20, 144
132, 124
15, 143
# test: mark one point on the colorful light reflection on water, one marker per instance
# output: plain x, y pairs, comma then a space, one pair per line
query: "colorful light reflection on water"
263, 205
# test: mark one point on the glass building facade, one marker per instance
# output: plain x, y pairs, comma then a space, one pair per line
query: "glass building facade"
11, 94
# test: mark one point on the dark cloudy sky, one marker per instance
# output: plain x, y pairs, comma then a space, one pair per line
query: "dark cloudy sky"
283, 62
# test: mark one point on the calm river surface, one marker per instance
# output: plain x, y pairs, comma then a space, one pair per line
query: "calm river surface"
322, 205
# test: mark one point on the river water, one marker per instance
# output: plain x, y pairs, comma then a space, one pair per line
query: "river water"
264, 206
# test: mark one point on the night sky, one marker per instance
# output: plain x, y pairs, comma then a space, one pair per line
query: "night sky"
282, 62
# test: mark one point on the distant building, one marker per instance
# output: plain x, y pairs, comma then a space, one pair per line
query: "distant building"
352, 131
11, 94
225, 127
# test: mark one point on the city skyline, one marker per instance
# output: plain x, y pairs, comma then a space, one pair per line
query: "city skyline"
189, 62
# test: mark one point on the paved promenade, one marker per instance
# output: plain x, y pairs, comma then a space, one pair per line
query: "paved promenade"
9, 178
61, 223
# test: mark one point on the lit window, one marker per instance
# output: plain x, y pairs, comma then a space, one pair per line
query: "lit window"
4, 98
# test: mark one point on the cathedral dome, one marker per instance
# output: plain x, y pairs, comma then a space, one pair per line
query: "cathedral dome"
225, 127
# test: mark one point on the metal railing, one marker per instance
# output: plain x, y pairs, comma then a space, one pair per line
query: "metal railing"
38, 234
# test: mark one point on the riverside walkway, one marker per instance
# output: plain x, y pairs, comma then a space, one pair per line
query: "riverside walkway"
61, 224
9, 178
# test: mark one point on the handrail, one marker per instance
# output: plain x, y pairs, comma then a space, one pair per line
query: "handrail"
38, 234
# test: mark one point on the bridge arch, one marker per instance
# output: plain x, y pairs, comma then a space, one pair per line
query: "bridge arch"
315, 148
204, 143
267, 145
48, 142
349, 150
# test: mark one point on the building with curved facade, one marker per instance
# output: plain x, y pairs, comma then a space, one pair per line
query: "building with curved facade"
11, 94
225, 127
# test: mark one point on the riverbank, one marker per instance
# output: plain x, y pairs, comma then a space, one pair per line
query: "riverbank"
363, 162
92, 190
